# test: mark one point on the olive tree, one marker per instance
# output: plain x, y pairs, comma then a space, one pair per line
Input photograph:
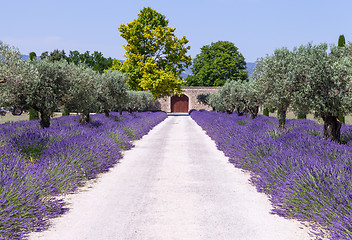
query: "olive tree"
327, 84
47, 93
217, 103
112, 90
138, 100
15, 76
82, 94
253, 98
274, 79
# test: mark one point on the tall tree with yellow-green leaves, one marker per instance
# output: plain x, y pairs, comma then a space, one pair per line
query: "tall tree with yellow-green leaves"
155, 57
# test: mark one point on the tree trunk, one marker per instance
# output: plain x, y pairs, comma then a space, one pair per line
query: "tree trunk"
253, 111
44, 120
106, 113
332, 128
282, 117
85, 118
239, 112
120, 111
228, 112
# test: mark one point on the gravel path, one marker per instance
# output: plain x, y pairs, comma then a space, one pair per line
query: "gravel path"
174, 184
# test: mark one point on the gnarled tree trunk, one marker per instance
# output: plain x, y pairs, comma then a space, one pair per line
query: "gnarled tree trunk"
44, 119
282, 117
106, 112
239, 111
253, 111
85, 118
332, 128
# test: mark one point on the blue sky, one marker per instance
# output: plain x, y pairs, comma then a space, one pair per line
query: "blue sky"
256, 27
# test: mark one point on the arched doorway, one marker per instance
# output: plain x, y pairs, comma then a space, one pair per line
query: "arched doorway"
179, 104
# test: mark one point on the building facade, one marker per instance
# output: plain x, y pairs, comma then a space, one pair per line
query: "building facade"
185, 102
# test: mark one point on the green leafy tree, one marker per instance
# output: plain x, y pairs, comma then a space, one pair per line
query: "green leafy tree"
273, 75
32, 56
155, 57
327, 84
112, 90
203, 98
47, 94
138, 101
217, 102
116, 65
228, 98
82, 95
55, 55
253, 98
341, 41
15, 76
216, 64
96, 60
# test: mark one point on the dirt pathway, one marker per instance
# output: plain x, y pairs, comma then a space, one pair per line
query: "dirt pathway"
174, 184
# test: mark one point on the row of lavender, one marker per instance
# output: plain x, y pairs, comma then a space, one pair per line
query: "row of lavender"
38, 165
306, 176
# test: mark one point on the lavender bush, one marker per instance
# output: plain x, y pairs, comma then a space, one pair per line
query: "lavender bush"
38, 165
306, 176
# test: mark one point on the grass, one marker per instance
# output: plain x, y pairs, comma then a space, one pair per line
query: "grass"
24, 116
291, 115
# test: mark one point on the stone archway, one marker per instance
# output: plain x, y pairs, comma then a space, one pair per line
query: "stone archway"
179, 104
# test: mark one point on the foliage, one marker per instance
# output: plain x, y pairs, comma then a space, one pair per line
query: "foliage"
239, 96
306, 176
15, 76
33, 56
326, 89
55, 55
116, 65
274, 79
48, 93
216, 64
155, 57
266, 112
37, 165
82, 94
112, 90
137, 101
341, 41
33, 114
96, 60
203, 98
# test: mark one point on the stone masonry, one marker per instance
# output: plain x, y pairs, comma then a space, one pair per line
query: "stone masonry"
164, 104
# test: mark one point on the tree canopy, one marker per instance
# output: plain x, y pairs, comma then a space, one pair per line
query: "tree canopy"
327, 84
55, 55
112, 90
155, 57
274, 79
96, 60
216, 64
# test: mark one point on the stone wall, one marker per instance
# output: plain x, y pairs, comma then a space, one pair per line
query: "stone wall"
164, 104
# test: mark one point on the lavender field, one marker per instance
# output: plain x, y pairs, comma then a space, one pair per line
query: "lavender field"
305, 176
38, 165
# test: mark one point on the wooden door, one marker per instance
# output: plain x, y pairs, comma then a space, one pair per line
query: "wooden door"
179, 104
